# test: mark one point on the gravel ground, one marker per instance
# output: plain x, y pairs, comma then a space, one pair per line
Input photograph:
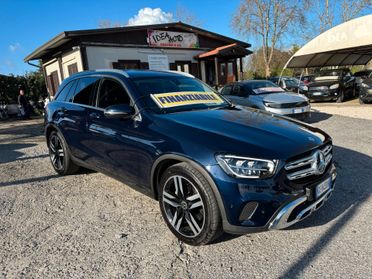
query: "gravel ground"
91, 226
350, 108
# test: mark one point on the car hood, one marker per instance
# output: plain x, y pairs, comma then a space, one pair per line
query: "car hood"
241, 131
327, 82
281, 98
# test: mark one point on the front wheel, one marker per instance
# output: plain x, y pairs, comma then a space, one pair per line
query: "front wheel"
188, 205
341, 97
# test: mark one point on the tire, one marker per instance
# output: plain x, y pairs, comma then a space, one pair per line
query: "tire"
188, 205
341, 97
59, 155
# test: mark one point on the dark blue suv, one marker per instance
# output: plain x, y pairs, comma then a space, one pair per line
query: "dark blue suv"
213, 166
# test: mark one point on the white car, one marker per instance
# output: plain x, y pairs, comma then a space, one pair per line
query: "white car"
266, 95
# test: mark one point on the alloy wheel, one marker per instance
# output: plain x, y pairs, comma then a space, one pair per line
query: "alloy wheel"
183, 206
56, 152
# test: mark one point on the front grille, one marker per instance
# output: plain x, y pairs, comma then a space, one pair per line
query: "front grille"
313, 164
295, 105
288, 105
318, 88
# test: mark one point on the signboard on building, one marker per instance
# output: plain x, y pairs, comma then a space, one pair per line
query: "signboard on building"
158, 62
160, 38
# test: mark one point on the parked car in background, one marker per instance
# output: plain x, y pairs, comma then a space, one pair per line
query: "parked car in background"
332, 85
213, 166
290, 84
360, 76
13, 109
307, 79
365, 90
266, 95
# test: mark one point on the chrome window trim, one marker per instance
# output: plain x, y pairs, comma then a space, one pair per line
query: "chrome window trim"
102, 76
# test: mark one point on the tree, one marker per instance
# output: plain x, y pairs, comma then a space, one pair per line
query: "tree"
269, 21
332, 12
184, 15
353, 8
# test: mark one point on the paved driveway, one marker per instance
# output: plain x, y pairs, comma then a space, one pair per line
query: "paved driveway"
91, 226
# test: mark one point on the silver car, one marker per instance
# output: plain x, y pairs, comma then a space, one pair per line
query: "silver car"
268, 96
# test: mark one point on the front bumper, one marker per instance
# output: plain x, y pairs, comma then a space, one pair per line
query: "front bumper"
289, 111
283, 218
365, 94
323, 95
258, 205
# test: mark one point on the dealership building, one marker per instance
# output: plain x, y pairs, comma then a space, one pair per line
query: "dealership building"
211, 57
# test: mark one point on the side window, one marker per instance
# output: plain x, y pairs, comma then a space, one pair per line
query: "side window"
85, 90
62, 95
226, 90
242, 92
111, 92
236, 90
71, 92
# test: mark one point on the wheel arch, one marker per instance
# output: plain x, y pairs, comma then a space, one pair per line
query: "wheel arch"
48, 130
167, 160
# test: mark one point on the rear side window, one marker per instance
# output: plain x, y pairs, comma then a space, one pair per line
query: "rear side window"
67, 91
226, 90
85, 90
111, 93
62, 95
237, 91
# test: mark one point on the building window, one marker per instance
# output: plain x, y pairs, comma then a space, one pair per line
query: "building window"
127, 64
72, 69
183, 66
53, 82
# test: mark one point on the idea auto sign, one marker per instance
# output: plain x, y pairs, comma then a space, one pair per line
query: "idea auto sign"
160, 38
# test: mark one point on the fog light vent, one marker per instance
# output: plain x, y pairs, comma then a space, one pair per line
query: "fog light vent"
248, 211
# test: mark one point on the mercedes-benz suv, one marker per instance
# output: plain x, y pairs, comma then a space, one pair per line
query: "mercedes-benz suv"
212, 166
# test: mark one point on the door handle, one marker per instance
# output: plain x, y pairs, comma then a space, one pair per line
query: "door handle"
94, 115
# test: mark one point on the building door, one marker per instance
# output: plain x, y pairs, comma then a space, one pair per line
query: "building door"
210, 72
227, 72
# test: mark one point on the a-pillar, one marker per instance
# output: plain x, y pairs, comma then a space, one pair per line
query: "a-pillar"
216, 69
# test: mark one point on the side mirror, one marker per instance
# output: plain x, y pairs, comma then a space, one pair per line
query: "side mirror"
122, 111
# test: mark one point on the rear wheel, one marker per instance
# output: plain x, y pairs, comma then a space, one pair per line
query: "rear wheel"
60, 156
188, 205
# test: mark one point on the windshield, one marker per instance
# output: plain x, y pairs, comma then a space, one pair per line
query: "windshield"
263, 87
330, 74
175, 93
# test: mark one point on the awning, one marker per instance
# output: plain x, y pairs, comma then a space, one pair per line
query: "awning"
349, 43
232, 50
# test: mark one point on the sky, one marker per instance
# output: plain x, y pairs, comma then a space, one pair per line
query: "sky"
27, 24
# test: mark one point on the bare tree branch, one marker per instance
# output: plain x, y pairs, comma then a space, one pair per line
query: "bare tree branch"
268, 21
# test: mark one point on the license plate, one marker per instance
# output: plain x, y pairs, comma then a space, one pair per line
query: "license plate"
298, 110
322, 188
317, 93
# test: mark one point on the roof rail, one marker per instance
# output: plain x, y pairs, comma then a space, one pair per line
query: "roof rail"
179, 72
113, 71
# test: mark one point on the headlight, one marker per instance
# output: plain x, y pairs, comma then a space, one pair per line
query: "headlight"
364, 85
334, 86
244, 167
